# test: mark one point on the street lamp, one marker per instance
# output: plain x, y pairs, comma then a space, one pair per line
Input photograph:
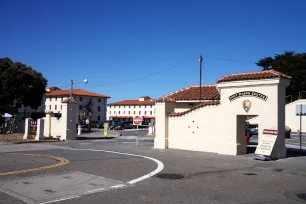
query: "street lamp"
85, 81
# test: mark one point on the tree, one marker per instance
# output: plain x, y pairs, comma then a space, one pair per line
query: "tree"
290, 63
19, 84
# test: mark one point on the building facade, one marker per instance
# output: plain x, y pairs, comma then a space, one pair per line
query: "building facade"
125, 110
87, 102
219, 125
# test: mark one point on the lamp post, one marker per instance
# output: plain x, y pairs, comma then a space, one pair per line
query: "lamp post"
85, 81
200, 60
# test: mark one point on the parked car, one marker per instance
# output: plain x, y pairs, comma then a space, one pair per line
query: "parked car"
121, 125
287, 132
253, 130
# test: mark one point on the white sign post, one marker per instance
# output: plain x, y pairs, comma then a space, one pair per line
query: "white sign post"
137, 120
266, 142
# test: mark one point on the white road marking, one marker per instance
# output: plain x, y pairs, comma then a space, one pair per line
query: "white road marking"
99, 189
61, 199
118, 186
160, 165
84, 143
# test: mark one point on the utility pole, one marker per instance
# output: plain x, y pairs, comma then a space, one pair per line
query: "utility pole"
71, 88
200, 60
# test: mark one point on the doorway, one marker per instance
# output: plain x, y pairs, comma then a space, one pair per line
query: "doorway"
247, 133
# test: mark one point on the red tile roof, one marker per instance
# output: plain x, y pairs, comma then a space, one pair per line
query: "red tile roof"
134, 102
266, 74
78, 92
208, 92
208, 103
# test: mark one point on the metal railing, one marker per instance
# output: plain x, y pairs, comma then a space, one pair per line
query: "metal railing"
295, 96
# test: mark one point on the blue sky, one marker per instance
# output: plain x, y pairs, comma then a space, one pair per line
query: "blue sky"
109, 42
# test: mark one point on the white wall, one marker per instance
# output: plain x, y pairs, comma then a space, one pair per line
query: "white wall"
196, 130
293, 121
65, 127
113, 110
218, 128
56, 101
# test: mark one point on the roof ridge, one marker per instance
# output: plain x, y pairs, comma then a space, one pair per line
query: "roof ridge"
186, 88
201, 105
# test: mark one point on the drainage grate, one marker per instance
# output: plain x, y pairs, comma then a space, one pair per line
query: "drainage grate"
301, 196
170, 176
278, 170
250, 174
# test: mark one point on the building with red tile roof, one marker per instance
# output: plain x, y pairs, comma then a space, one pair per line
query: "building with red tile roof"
87, 101
125, 110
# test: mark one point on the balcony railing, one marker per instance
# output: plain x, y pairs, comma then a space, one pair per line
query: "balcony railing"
295, 96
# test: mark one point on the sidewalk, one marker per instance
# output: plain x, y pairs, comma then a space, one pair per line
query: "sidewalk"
99, 134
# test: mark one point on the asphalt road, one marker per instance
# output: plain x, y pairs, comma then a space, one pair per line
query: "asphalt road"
114, 171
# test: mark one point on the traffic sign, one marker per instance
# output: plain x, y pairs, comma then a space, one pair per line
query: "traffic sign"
137, 120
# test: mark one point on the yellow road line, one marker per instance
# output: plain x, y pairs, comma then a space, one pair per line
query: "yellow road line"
62, 162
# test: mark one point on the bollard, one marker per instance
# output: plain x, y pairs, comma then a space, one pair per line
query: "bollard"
79, 130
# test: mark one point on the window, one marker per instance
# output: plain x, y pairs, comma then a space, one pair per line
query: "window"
99, 100
99, 109
129, 106
114, 112
55, 98
110, 106
150, 112
134, 112
129, 112
62, 98
134, 106
124, 112
119, 106
139, 106
50, 106
98, 118
139, 112
110, 112
81, 99
80, 107
145, 113
55, 107
118, 112
145, 106
50, 99
151, 106
61, 107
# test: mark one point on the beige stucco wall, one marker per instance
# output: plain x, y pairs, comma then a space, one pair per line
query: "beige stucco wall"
196, 130
65, 127
220, 129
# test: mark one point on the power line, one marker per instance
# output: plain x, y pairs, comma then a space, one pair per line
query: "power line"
147, 76
165, 70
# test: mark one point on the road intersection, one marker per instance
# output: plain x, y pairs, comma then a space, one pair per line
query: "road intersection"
111, 171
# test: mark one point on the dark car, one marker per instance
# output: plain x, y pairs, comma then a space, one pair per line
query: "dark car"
287, 132
253, 129
121, 125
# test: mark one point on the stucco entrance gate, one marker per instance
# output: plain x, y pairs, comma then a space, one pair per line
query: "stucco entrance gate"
215, 126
